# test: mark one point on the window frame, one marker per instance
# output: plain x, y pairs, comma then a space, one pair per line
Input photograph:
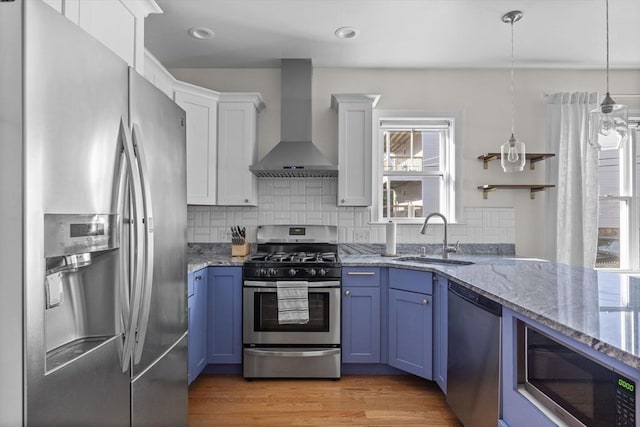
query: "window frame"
629, 194
450, 190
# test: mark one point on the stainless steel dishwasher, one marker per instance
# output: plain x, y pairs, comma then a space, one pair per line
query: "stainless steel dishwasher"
473, 361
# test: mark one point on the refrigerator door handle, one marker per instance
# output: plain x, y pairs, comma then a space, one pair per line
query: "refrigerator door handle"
122, 301
147, 286
138, 247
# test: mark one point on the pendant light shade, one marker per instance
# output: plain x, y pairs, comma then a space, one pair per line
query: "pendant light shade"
512, 155
512, 152
609, 123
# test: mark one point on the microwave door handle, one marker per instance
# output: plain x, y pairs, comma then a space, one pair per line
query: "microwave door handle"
147, 286
137, 237
122, 301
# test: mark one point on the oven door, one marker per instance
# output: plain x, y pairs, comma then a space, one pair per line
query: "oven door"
260, 316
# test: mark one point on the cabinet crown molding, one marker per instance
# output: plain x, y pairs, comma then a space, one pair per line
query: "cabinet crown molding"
367, 98
196, 90
144, 7
245, 97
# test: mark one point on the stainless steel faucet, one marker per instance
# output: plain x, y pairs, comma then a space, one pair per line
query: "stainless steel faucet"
446, 249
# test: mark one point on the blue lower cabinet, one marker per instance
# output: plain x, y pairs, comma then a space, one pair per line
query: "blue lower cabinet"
361, 324
410, 332
224, 323
197, 307
440, 341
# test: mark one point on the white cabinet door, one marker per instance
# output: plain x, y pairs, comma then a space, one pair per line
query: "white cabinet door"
355, 132
200, 106
238, 148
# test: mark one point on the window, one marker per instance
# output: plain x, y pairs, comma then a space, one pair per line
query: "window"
415, 162
619, 191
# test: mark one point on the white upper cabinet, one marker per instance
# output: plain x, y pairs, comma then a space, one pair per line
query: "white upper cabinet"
355, 139
118, 24
201, 107
238, 148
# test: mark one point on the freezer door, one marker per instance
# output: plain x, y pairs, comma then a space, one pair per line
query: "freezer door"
159, 397
75, 95
158, 126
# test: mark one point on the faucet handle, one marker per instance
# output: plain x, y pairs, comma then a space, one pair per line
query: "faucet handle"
453, 249
423, 251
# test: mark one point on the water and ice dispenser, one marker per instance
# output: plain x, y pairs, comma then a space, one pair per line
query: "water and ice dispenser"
80, 284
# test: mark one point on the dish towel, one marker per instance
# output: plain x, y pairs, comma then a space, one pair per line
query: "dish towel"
293, 302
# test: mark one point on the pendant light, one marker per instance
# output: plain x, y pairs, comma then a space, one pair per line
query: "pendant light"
512, 152
608, 124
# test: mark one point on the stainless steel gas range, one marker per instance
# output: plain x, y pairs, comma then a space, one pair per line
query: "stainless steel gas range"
304, 258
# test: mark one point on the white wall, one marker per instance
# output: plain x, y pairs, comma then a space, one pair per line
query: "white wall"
482, 96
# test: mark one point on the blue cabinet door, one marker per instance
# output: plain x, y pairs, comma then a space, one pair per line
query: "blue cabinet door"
360, 324
410, 332
197, 306
440, 331
224, 307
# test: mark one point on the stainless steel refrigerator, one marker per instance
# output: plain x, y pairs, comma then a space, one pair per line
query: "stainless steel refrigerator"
93, 325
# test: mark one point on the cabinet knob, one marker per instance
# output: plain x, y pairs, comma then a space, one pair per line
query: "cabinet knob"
425, 301
246, 200
347, 293
341, 200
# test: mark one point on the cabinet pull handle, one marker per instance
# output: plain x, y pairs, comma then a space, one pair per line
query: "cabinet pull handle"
361, 273
347, 293
425, 301
198, 277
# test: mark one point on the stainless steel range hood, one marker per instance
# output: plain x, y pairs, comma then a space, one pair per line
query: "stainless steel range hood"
295, 155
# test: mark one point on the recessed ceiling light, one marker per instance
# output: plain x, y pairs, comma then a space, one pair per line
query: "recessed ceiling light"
201, 33
347, 32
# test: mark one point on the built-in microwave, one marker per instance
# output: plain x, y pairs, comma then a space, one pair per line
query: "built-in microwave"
570, 387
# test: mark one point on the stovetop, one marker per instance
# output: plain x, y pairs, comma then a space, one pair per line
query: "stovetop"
294, 262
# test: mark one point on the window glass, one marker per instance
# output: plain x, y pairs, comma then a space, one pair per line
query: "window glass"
609, 219
417, 162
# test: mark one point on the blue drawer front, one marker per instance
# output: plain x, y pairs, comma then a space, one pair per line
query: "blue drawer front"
360, 276
412, 281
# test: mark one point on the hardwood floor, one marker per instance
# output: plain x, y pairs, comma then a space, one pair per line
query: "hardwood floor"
225, 400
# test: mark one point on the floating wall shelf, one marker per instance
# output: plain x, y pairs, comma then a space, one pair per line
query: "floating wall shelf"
533, 188
532, 157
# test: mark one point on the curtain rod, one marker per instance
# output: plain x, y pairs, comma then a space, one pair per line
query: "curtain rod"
614, 95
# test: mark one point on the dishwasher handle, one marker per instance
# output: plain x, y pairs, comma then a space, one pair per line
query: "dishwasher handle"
476, 299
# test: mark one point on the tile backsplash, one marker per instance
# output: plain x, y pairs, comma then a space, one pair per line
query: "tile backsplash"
313, 201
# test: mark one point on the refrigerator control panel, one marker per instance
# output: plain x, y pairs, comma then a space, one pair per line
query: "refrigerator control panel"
66, 234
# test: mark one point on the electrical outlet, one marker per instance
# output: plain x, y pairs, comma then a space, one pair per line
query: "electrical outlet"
361, 236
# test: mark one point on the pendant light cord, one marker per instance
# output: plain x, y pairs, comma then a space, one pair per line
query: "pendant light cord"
607, 20
513, 109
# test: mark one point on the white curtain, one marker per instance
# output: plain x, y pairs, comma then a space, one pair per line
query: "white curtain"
572, 207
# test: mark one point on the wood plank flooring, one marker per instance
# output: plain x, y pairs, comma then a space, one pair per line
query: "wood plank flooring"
355, 400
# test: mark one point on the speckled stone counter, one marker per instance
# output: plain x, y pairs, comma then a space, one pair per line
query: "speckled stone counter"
203, 255
589, 306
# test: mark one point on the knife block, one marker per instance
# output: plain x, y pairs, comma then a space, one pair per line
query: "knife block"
240, 250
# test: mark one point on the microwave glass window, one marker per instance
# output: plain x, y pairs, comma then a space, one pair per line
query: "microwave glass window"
581, 386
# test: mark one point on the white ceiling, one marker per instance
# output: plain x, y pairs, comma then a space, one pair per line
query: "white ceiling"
396, 33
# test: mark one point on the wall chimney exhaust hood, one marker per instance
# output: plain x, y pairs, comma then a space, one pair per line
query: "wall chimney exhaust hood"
295, 155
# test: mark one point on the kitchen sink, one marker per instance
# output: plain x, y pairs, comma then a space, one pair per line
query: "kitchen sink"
425, 260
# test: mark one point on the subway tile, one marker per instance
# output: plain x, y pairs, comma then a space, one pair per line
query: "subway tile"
474, 234
329, 186
297, 203
314, 217
330, 218
490, 218
314, 187
490, 235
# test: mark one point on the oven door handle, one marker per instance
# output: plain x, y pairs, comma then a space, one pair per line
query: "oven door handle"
292, 353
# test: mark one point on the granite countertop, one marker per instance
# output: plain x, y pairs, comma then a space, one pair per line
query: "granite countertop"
590, 306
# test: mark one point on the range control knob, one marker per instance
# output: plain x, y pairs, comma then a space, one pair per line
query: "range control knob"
272, 272
312, 272
261, 272
322, 272
292, 272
